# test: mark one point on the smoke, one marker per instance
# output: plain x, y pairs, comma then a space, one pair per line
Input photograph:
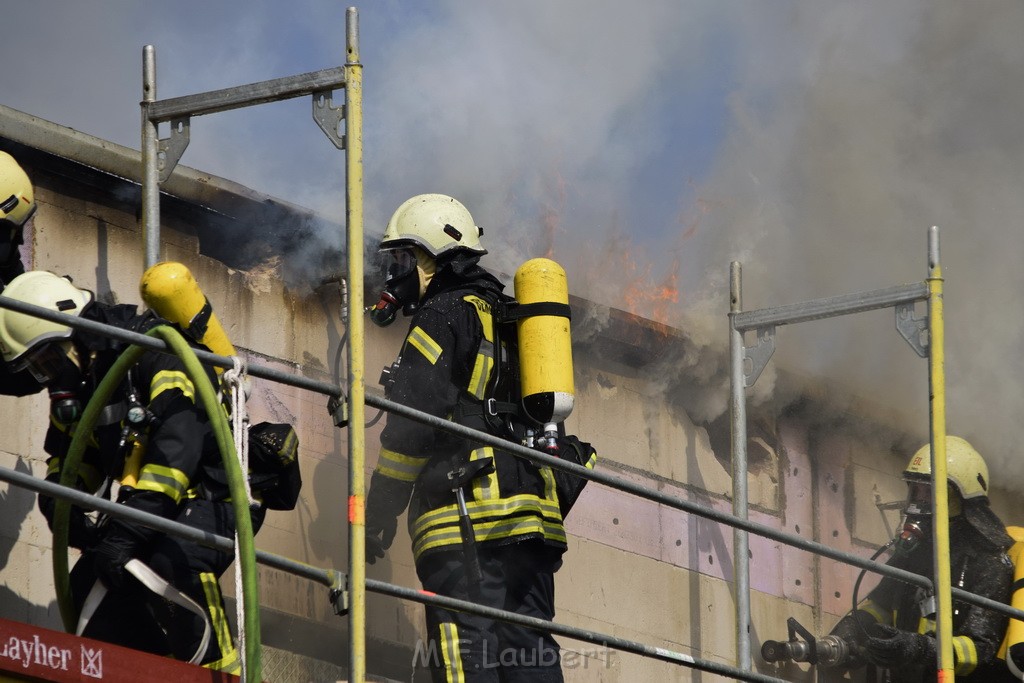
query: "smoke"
644, 146
901, 117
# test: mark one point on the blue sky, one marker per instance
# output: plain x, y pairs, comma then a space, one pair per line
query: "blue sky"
646, 143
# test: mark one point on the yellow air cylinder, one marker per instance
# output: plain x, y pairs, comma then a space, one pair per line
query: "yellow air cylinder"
545, 345
171, 291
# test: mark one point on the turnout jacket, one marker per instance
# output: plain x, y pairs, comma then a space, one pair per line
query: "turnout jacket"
446, 363
978, 564
179, 441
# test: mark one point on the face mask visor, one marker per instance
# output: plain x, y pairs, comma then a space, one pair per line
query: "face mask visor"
917, 518
45, 362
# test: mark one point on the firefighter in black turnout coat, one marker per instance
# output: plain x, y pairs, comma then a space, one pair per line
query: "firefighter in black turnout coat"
894, 627
17, 207
447, 364
175, 478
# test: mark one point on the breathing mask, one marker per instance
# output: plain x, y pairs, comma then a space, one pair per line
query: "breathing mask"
917, 515
52, 366
401, 288
917, 528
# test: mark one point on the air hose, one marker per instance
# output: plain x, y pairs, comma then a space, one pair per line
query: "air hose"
236, 486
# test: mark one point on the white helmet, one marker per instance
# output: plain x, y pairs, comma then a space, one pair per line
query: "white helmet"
966, 470
17, 201
436, 223
20, 332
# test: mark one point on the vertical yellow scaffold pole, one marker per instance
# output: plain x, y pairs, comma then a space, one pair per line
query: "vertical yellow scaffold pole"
940, 491
356, 376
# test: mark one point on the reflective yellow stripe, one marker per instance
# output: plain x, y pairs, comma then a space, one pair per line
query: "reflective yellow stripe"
229, 661
592, 461
289, 449
166, 380
966, 655
925, 626
401, 467
882, 616
484, 364
550, 490
524, 503
482, 369
489, 531
485, 487
166, 480
422, 341
70, 431
451, 653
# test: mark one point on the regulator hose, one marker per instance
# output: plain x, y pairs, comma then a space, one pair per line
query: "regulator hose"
239, 502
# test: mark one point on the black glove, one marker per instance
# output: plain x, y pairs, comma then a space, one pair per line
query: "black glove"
385, 501
375, 547
119, 545
379, 539
889, 647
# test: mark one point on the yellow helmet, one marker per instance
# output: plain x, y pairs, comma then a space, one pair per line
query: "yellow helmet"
17, 201
20, 332
965, 468
436, 223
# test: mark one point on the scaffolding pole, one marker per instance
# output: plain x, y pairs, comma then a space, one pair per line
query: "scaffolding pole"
740, 541
356, 356
940, 491
747, 364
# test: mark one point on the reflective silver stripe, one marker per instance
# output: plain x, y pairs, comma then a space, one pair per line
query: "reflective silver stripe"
485, 487
483, 366
524, 503
966, 655
550, 489
489, 531
422, 341
166, 480
482, 369
289, 449
398, 466
451, 653
165, 380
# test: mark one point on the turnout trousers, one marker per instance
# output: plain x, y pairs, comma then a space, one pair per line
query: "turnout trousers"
468, 648
135, 617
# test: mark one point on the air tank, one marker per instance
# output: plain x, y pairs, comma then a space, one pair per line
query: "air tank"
170, 290
545, 344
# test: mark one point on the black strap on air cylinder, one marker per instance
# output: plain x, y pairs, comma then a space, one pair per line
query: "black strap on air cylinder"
517, 311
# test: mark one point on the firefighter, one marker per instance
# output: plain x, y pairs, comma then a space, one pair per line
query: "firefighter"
894, 627
446, 362
17, 206
173, 479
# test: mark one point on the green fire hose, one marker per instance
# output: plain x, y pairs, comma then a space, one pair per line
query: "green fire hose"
236, 486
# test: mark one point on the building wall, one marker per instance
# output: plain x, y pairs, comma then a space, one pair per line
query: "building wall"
635, 569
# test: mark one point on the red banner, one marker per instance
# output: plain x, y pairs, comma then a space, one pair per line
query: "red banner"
36, 653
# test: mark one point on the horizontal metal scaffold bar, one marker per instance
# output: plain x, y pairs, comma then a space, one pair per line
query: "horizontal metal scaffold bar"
245, 95
829, 307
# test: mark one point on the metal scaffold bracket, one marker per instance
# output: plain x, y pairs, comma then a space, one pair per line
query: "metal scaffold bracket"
759, 355
329, 117
171, 149
914, 330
